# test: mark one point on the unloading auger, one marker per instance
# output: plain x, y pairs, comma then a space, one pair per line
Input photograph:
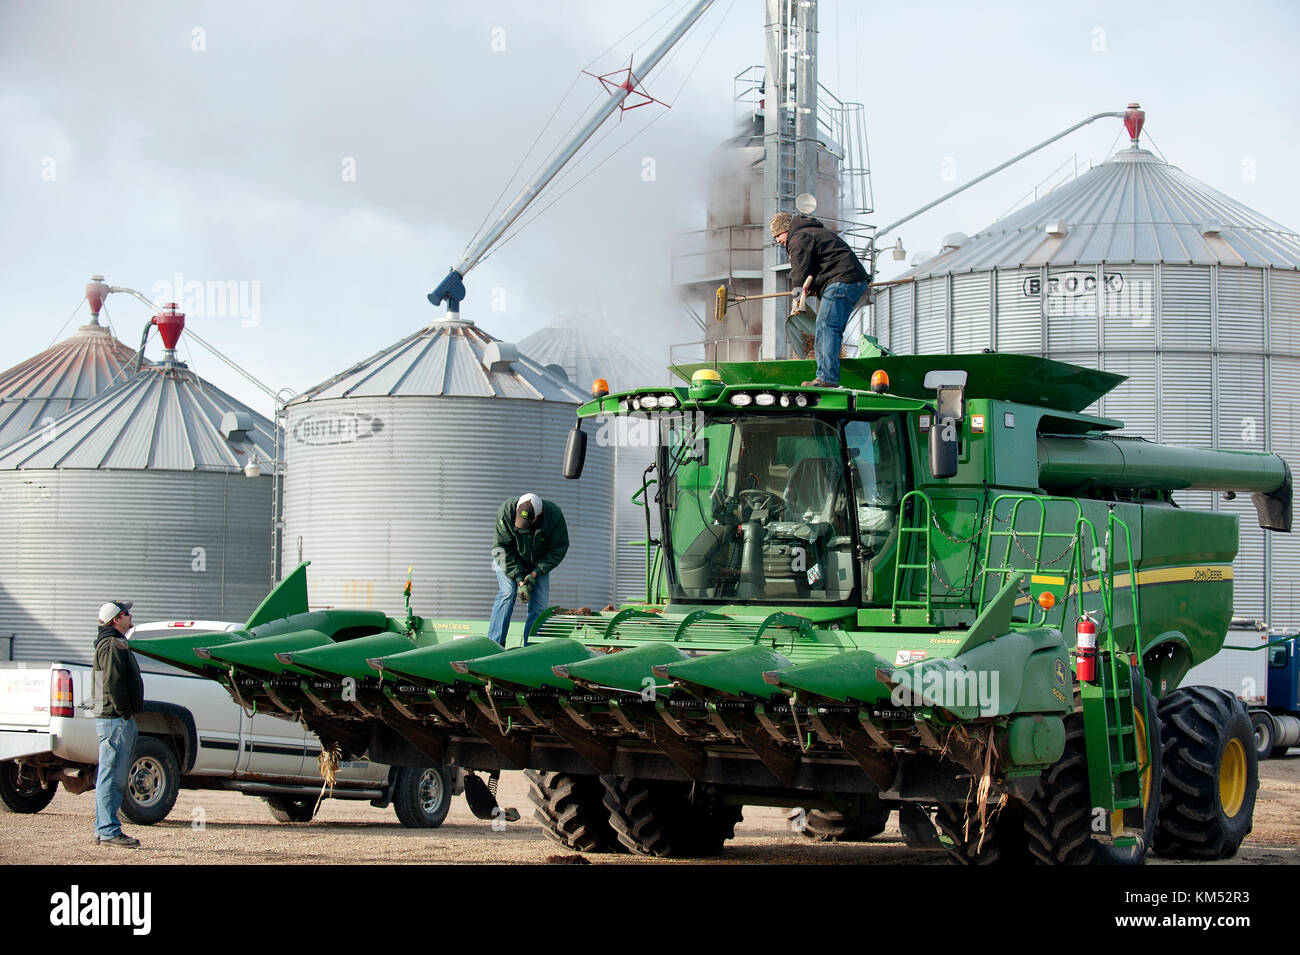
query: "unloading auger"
861, 599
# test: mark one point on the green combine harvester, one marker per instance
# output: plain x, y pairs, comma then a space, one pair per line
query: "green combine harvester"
941, 589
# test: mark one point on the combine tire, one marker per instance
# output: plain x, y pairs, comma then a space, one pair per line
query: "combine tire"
21, 792
1060, 813
1004, 840
571, 810
291, 808
841, 827
422, 796
654, 818
153, 783
1211, 775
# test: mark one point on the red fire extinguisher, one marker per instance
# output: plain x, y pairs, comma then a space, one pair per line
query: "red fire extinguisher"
1085, 635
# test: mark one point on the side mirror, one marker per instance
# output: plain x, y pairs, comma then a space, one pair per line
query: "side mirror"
943, 447
575, 453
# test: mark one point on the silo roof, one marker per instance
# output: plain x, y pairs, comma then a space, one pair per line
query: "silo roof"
59, 379
586, 355
1133, 208
446, 359
161, 418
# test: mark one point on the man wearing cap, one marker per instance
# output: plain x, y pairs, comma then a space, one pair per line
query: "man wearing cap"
119, 694
822, 264
531, 540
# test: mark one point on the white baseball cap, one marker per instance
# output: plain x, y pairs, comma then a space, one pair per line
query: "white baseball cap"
108, 613
527, 510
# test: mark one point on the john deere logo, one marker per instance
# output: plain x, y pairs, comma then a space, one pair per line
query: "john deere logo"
1060, 673
336, 428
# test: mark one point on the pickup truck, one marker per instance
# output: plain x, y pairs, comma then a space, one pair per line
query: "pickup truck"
192, 736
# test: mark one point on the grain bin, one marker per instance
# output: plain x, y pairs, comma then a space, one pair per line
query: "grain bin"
403, 460
137, 494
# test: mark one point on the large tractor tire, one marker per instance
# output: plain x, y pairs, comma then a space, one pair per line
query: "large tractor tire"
571, 810
153, 782
1002, 841
826, 826
1211, 775
1060, 813
656, 818
22, 791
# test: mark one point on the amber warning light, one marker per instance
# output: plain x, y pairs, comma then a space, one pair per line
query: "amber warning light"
880, 381
599, 388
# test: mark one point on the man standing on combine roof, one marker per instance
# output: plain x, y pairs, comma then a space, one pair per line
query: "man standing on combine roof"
119, 694
822, 264
531, 540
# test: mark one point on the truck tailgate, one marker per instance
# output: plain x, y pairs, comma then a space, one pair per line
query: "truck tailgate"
24, 695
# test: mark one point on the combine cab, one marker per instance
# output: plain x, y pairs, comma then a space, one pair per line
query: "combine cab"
941, 589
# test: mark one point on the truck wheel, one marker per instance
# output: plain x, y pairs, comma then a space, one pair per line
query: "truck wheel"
1060, 820
23, 792
153, 783
1211, 775
422, 796
292, 808
656, 818
1003, 841
571, 810
826, 826
1262, 724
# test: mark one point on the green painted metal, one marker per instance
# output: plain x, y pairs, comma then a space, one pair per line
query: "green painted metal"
853, 676
178, 649
289, 597
531, 666
430, 666
629, 670
735, 673
1076, 464
260, 654
351, 657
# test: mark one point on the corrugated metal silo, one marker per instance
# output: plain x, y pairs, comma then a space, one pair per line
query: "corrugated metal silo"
585, 356
1137, 268
137, 494
404, 459
64, 376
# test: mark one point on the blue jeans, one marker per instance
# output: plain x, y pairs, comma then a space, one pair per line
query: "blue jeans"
838, 300
504, 606
116, 753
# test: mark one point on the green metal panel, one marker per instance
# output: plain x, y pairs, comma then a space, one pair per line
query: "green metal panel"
531, 666
736, 672
350, 657
431, 665
259, 654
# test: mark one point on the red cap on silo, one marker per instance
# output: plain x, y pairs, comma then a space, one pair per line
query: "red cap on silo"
170, 322
96, 289
1134, 117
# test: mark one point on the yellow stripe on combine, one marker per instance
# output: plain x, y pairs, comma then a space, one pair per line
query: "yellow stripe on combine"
1200, 573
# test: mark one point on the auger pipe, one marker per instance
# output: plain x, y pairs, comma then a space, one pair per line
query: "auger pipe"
1069, 465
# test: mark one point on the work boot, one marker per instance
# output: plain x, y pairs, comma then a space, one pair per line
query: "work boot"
121, 839
818, 383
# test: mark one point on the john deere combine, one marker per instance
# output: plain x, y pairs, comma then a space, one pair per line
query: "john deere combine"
941, 589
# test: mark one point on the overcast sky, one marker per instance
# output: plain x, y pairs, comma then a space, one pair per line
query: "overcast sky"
334, 159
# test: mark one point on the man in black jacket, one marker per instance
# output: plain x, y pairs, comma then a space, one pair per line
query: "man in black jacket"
530, 541
822, 264
119, 694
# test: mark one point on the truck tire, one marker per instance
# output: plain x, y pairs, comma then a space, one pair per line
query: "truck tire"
422, 796
292, 808
571, 810
1265, 733
23, 793
826, 826
657, 818
1211, 775
153, 783
1060, 813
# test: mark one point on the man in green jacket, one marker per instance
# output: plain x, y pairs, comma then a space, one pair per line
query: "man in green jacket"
531, 540
119, 695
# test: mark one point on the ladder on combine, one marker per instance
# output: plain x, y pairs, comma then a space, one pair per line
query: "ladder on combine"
1115, 707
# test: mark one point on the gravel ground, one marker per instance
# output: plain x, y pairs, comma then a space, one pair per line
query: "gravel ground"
209, 827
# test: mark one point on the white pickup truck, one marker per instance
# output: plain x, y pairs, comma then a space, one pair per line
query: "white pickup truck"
192, 736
